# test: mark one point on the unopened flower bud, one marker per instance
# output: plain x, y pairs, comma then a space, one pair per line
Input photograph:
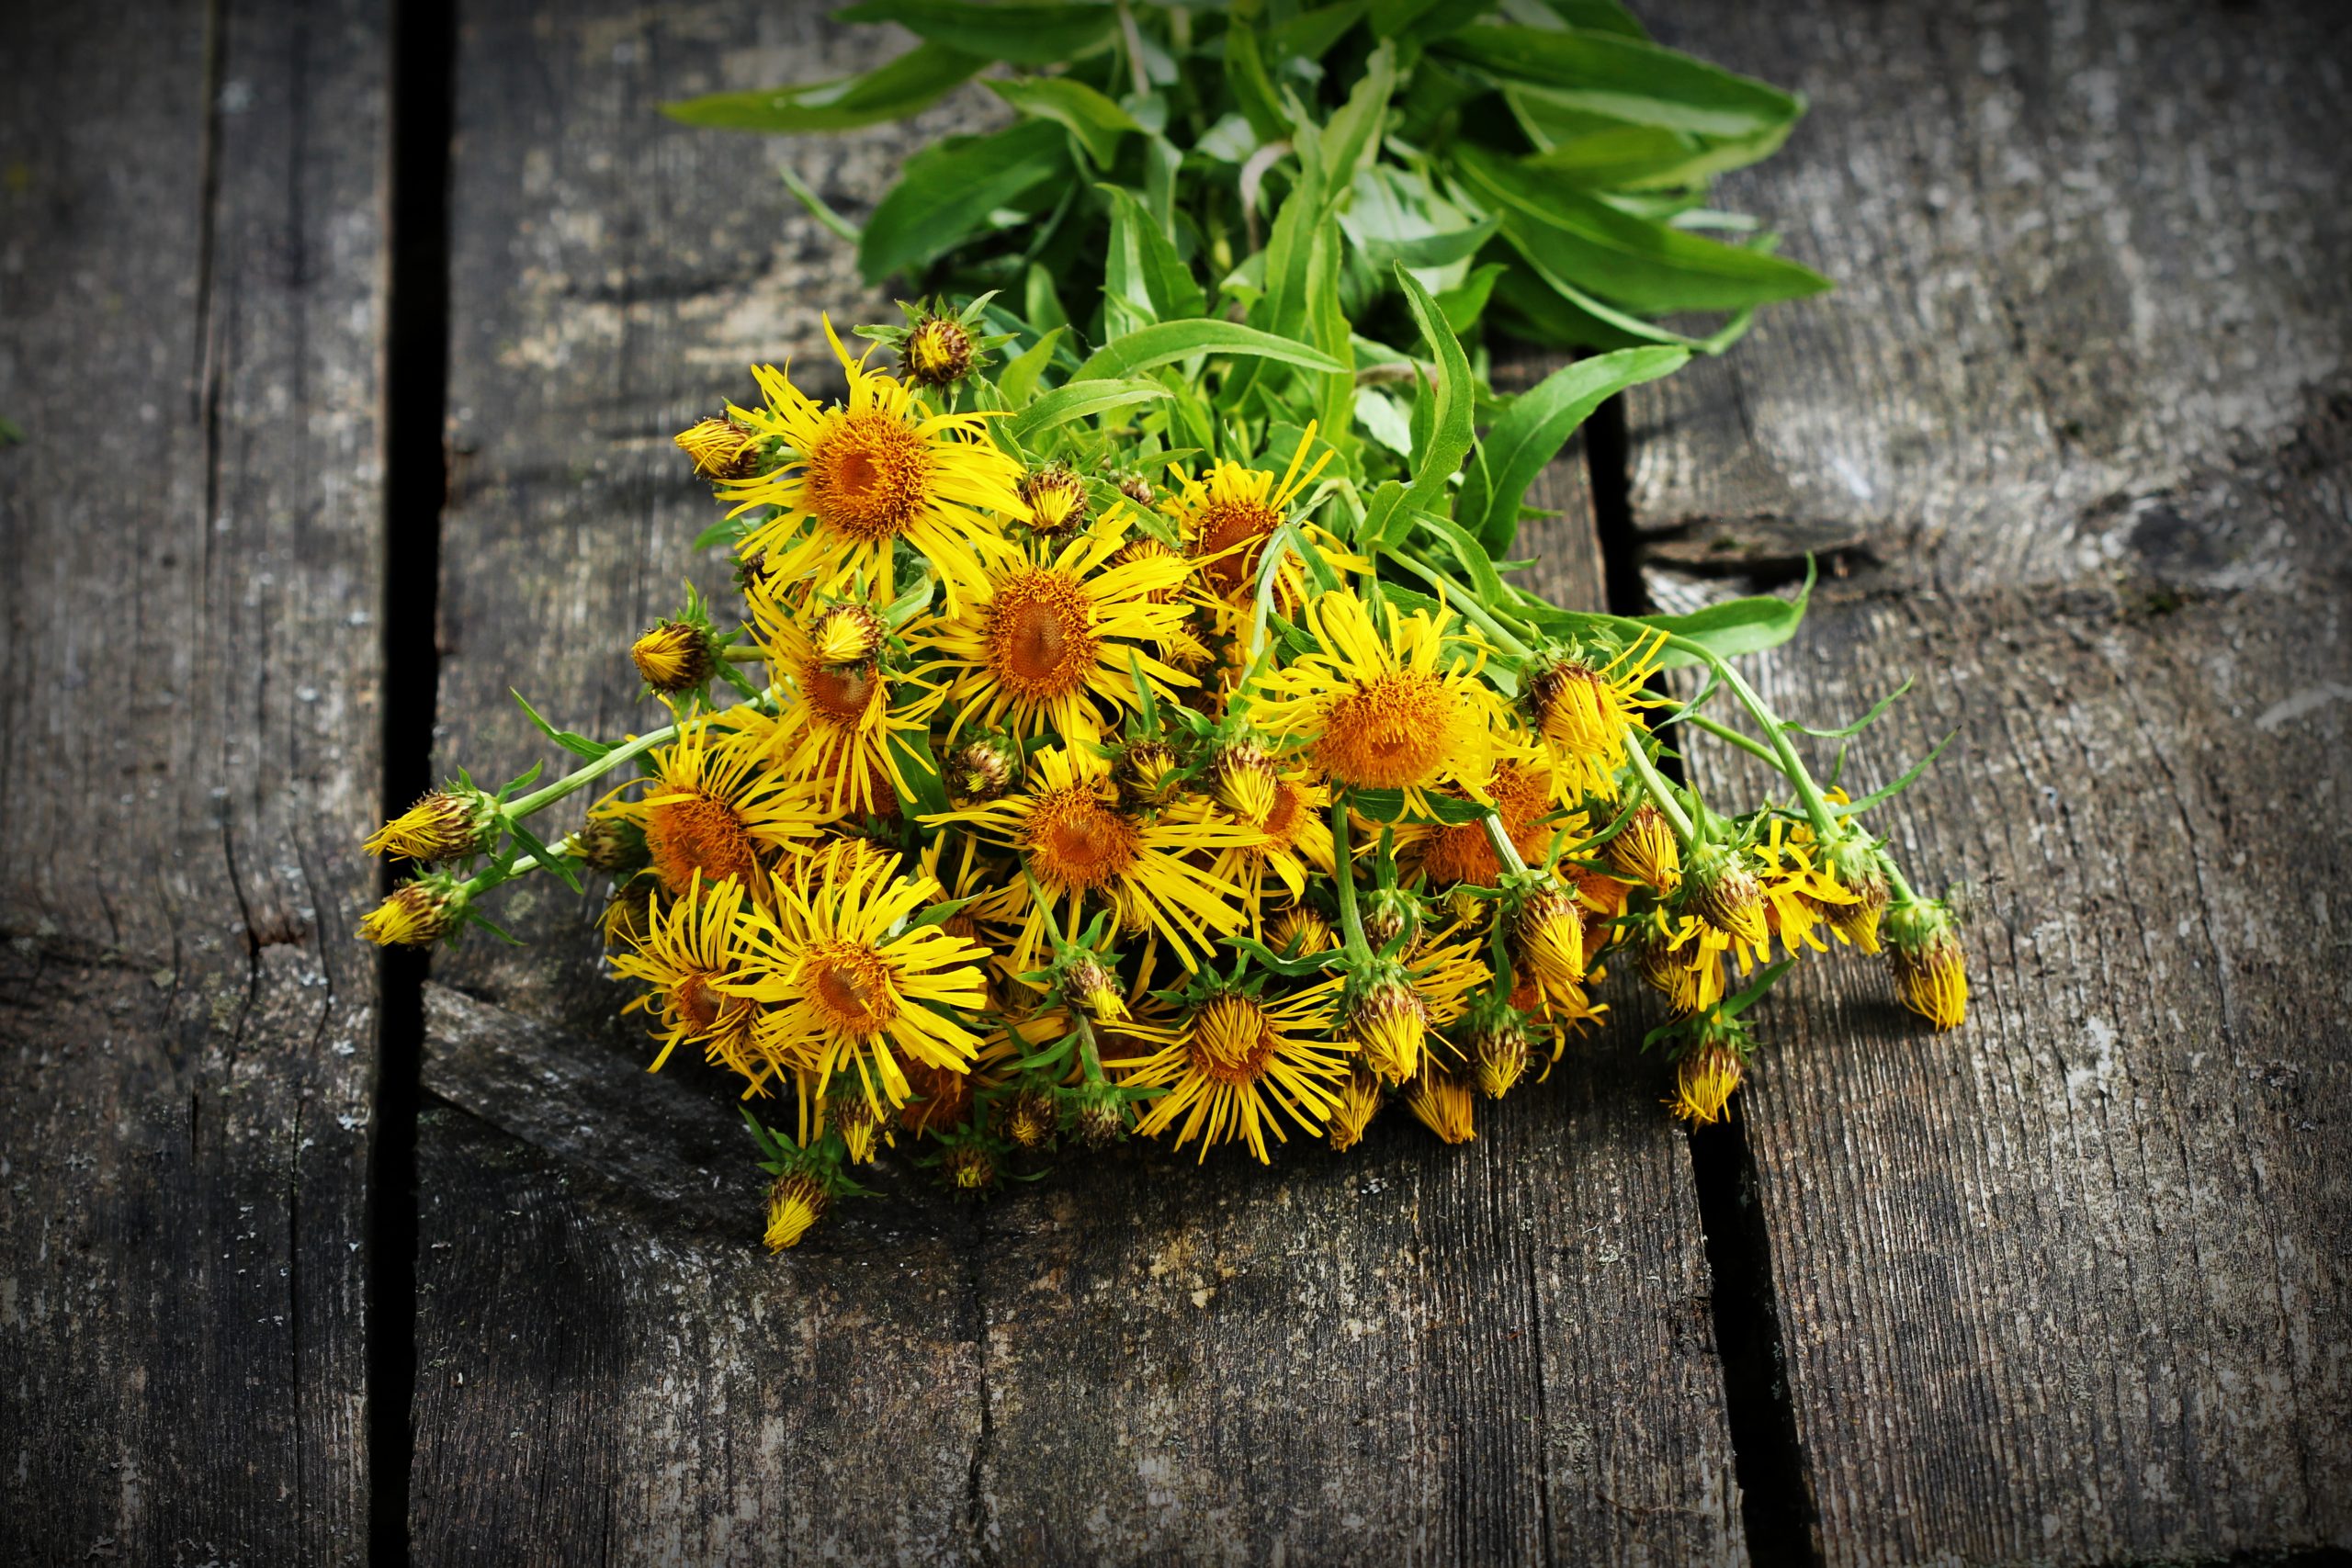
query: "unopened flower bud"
1246, 782
1703, 1082
1055, 497
1033, 1119
1931, 974
1390, 1022
937, 352
628, 917
1145, 772
797, 1202
1579, 713
610, 845
1300, 931
846, 635
674, 656
1499, 1053
721, 450
1547, 935
1137, 489
417, 914
1099, 1121
852, 1116
1089, 983
1390, 913
1645, 850
447, 824
1722, 893
981, 770
969, 1169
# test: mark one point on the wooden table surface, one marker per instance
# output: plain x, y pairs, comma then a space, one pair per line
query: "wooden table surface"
305, 1259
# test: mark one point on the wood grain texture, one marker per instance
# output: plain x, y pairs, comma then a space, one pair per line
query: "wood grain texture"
2071, 1284
1417, 1355
189, 340
2081, 250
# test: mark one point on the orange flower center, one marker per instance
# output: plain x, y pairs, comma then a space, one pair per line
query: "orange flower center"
1464, 854
697, 1003
842, 693
700, 833
1231, 1040
868, 476
851, 986
1074, 841
1040, 641
1226, 525
1391, 733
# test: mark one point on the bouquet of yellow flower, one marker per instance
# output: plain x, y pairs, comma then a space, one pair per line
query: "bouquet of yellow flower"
1130, 730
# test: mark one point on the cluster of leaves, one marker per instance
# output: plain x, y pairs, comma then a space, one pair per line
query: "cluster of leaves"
1545, 166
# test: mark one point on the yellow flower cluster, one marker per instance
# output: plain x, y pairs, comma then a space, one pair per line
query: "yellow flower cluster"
1060, 806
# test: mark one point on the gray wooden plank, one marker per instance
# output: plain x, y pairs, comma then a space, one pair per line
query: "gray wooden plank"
1415, 1354
192, 286
2068, 1285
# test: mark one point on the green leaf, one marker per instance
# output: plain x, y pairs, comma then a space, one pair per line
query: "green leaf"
1624, 78
921, 772
947, 192
1078, 400
916, 79
1600, 153
577, 744
1910, 776
1020, 35
1731, 628
1172, 341
1290, 254
1019, 382
1597, 16
1550, 309
1335, 400
1144, 268
563, 866
1537, 425
1095, 121
1453, 400
1464, 306
1253, 90
1038, 301
1351, 138
1310, 34
1643, 265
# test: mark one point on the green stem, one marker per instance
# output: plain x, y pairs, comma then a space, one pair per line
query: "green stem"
1897, 884
1725, 732
1090, 1055
1464, 599
539, 799
1269, 568
1505, 851
744, 653
1344, 862
1654, 785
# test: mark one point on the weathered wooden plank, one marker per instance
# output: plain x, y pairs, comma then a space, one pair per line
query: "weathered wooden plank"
2070, 1284
2079, 250
192, 283
1435, 1356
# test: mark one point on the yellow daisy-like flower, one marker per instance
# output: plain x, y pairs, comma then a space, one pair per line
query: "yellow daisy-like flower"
1446, 854
1397, 709
1294, 843
856, 987
1237, 1065
1227, 515
1079, 843
1703, 1082
1681, 957
796, 1203
1444, 1102
1586, 714
1931, 974
836, 723
870, 473
1800, 896
1051, 640
1360, 1100
715, 810
690, 947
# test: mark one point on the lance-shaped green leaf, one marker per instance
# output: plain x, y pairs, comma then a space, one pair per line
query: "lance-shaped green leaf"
1550, 309
916, 79
1451, 401
1143, 268
1536, 426
947, 191
1019, 382
1020, 35
1078, 400
1095, 121
1172, 341
1733, 627
1624, 78
1643, 265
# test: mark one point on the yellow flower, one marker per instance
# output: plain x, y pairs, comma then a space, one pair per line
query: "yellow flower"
1234, 1062
1930, 975
1228, 516
721, 450
416, 913
1442, 1102
685, 952
1050, 639
1499, 1052
714, 809
674, 657
1547, 940
1293, 843
447, 824
1055, 499
1077, 842
1300, 931
1586, 714
1384, 709
868, 473
1703, 1082
836, 723
1681, 957
856, 987
1645, 850
1446, 854
1389, 1023
1358, 1102
1724, 893
797, 1202
937, 352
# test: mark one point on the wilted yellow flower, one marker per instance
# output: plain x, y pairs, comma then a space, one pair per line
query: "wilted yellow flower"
721, 450
1056, 500
447, 824
1703, 1082
1586, 714
1721, 892
1643, 851
1442, 1102
1360, 1100
674, 657
417, 913
1930, 975
797, 1202
1390, 1022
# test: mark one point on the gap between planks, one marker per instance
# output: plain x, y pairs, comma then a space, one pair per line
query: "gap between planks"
415, 388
